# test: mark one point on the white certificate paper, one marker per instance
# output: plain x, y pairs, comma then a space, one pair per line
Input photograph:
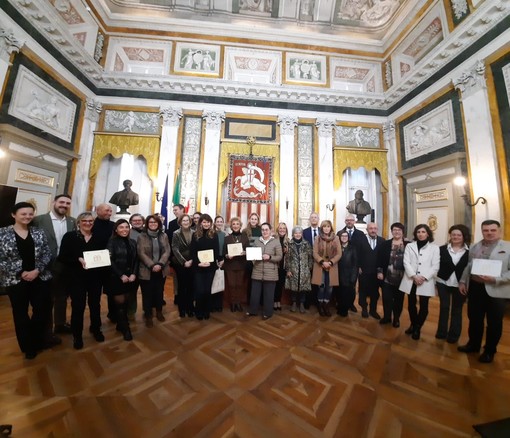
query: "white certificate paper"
234, 249
491, 268
206, 256
254, 253
96, 259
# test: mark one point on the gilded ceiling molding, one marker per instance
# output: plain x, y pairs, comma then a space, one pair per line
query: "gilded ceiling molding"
93, 110
9, 43
325, 127
213, 119
370, 159
471, 80
287, 124
116, 145
171, 116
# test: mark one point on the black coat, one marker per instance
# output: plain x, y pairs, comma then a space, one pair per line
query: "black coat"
348, 266
367, 257
123, 263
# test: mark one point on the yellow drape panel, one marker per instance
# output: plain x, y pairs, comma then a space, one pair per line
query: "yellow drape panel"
116, 145
370, 159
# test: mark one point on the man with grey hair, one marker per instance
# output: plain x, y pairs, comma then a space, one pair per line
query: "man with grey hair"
310, 234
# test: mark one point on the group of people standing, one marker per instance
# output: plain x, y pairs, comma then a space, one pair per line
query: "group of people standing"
42, 261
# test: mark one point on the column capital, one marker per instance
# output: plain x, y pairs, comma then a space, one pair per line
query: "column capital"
287, 124
325, 127
471, 80
213, 119
389, 130
93, 110
171, 116
8, 43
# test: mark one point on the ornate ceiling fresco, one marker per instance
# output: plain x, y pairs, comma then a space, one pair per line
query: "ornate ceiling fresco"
364, 54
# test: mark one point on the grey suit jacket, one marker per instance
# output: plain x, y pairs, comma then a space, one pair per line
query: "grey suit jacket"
44, 222
501, 289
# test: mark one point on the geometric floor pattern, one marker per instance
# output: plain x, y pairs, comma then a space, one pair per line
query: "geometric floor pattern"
293, 375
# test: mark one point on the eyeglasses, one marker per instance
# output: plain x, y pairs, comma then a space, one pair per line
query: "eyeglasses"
87, 221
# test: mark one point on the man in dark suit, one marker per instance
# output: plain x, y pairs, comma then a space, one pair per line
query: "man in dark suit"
355, 236
55, 224
310, 234
173, 225
367, 261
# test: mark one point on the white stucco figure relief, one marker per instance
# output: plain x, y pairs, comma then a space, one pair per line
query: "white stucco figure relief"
46, 112
253, 177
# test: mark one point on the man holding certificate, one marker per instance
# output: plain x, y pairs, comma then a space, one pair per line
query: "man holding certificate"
266, 255
486, 281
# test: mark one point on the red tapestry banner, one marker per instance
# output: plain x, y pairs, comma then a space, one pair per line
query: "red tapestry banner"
250, 179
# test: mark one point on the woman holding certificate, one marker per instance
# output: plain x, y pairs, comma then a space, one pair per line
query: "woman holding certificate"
182, 261
235, 265
153, 252
24, 259
205, 251
219, 226
84, 283
326, 253
123, 273
266, 254
421, 263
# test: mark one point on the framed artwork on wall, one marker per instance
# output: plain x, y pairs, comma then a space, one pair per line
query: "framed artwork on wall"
306, 69
197, 59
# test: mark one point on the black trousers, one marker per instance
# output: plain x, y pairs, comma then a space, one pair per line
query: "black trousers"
345, 296
87, 293
30, 329
185, 289
417, 317
368, 288
393, 301
152, 293
203, 283
450, 303
480, 306
280, 285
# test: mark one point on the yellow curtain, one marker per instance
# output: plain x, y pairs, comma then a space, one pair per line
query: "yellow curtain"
117, 144
370, 159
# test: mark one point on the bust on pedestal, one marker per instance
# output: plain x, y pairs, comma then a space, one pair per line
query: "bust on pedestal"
125, 198
359, 207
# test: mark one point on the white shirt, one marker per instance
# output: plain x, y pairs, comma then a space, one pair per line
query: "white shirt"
456, 256
60, 228
372, 241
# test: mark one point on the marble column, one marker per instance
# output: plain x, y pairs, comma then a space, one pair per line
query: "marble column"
168, 155
210, 168
9, 44
325, 166
480, 145
393, 204
81, 176
287, 169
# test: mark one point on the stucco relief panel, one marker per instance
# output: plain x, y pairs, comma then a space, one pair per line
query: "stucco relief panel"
305, 172
434, 130
40, 105
190, 165
139, 56
256, 66
356, 76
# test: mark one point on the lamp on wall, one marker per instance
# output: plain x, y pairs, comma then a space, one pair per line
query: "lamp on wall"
460, 181
206, 200
287, 203
158, 198
331, 207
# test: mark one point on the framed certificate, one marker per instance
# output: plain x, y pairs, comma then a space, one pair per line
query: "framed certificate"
206, 256
234, 249
96, 259
491, 268
254, 253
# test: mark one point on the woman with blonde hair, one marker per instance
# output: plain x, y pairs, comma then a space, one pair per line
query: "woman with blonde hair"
282, 233
326, 253
235, 266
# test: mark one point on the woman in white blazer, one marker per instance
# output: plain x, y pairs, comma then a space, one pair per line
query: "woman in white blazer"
421, 263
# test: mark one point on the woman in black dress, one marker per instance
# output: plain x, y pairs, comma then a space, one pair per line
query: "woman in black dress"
123, 273
347, 273
84, 284
205, 240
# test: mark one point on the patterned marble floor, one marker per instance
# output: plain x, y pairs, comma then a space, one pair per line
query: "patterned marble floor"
295, 375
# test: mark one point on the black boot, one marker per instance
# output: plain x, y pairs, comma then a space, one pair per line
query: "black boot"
123, 322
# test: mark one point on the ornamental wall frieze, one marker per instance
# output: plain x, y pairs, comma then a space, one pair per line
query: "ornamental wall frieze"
51, 26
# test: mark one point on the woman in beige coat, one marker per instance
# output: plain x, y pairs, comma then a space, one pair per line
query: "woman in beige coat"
265, 272
421, 263
326, 254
